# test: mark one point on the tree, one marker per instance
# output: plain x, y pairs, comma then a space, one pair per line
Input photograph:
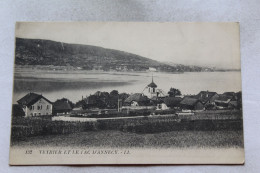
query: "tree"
114, 93
123, 96
17, 111
67, 100
174, 92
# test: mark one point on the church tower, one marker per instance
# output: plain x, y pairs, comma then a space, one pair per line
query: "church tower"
152, 89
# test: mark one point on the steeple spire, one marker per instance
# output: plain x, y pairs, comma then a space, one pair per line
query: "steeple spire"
152, 84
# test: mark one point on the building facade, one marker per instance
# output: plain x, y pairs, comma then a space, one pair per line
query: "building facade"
35, 105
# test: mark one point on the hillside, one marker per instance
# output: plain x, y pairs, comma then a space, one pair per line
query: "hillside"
46, 52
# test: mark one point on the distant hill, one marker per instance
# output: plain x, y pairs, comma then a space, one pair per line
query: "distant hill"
46, 52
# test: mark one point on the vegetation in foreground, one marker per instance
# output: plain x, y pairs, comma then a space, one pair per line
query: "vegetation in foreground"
156, 131
40, 126
117, 139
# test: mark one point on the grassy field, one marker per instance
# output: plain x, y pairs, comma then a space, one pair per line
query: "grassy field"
207, 129
113, 138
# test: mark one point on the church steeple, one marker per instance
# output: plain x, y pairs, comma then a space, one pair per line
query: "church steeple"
152, 84
152, 88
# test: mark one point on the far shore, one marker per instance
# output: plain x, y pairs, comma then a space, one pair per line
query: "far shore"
62, 69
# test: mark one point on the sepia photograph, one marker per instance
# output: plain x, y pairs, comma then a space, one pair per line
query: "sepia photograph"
126, 93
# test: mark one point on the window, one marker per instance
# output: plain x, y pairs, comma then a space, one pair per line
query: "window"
35, 114
38, 107
47, 107
39, 114
32, 107
41, 107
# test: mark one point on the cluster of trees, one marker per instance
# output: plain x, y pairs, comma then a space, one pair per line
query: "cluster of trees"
102, 100
174, 92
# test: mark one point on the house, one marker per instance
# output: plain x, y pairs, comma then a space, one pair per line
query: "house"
137, 99
35, 105
169, 103
62, 106
191, 104
207, 97
226, 101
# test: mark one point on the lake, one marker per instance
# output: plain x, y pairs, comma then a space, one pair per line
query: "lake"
75, 84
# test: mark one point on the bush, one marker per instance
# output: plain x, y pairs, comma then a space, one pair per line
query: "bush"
17, 111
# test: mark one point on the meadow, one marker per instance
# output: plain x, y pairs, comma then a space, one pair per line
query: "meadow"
156, 131
117, 139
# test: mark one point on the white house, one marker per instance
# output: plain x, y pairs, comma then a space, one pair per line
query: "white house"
35, 105
162, 106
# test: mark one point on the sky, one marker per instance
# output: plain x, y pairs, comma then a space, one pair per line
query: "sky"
202, 44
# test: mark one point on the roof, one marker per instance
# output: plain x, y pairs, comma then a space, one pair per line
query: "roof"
172, 101
30, 99
152, 85
139, 97
204, 96
189, 101
233, 103
223, 98
62, 105
230, 94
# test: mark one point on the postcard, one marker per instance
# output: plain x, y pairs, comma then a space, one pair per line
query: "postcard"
97, 93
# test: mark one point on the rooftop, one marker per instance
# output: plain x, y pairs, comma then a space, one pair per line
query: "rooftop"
30, 99
189, 101
204, 96
152, 84
62, 105
139, 97
172, 101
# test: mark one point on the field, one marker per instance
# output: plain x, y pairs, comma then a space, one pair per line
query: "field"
208, 129
112, 138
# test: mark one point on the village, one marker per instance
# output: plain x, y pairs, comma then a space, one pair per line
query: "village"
152, 101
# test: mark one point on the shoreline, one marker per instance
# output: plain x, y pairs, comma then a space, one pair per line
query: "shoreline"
51, 68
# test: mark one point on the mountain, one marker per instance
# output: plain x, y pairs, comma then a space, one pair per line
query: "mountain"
46, 52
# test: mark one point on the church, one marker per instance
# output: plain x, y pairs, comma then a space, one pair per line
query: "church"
152, 92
